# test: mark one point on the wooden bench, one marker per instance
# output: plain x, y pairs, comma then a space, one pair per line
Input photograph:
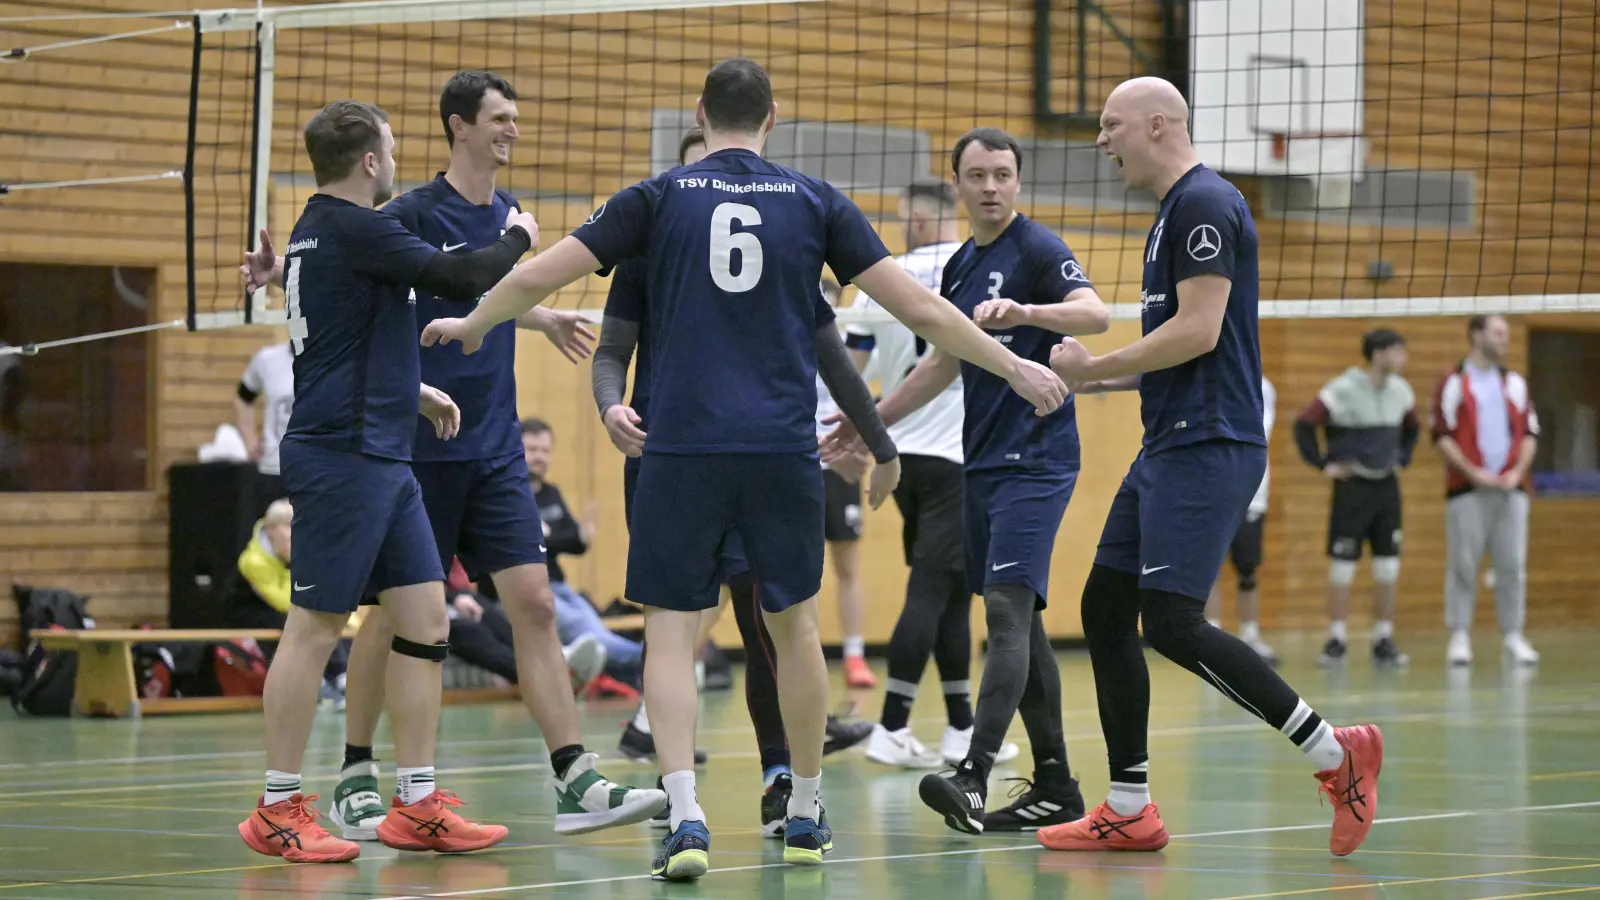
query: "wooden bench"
106, 684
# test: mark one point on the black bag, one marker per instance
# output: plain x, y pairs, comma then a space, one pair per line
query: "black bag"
49, 677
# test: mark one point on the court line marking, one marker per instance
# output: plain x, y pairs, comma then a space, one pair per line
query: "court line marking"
1034, 846
1576, 890
1439, 880
1267, 848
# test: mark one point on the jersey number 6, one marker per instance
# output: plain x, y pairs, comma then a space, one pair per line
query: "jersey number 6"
724, 240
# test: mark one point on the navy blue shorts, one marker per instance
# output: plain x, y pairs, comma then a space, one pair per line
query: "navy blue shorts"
1011, 517
734, 561
483, 511
1176, 513
359, 527
688, 511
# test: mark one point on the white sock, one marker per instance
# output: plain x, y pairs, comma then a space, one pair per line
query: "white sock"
1337, 632
641, 719
680, 793
1250, 631
280, 787
1128, 799
806, 801
1324, 750
1382, 629
1214, 623
414, 784
855, 645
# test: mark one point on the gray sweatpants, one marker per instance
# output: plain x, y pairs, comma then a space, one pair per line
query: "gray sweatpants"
1493, 520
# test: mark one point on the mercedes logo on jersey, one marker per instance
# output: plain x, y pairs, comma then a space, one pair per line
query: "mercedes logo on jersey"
595, 217
1071, 271
1204, 243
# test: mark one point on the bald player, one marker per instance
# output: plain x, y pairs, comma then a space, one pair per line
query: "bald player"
1198, 373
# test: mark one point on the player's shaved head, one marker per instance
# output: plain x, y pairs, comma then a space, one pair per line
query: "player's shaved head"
737, 97
1144, 126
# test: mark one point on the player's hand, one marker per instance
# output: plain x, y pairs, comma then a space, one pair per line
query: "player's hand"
260, 265
437, 407
842, 441
1508, 481
622, 426
443, 331
851, 467
1338, 471
998, 314
468, 607
1038, 385
885, 477
1070, 359
525, 219
567, 329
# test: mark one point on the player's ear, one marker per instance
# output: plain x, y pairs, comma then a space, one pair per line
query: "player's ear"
772, 117
700, 113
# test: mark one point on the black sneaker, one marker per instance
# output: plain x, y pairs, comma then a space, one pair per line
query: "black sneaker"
843, 735
1332, 653
1049, 801
641, 747
1385, 653
958, 796
775, 805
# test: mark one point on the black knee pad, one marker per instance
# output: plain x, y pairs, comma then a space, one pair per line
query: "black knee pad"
1247, 580
432, 652
1110, 601
1173, 624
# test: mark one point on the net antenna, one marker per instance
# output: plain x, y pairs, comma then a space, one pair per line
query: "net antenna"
263, 26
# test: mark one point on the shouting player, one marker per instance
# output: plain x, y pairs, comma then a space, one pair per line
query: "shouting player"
475, 488
359, 517
626, 424
736, 247
1017, 278
1198, 373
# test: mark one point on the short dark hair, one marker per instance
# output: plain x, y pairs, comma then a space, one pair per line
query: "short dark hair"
337, 137
695, 135
737, 95
463, 95
927, 187
535, 425
991, 139
1480, 323
1379, 339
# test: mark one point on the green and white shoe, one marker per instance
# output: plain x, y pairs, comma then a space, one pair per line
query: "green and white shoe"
586, 801
357, 806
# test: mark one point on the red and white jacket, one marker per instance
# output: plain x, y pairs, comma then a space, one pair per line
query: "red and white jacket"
1455, 414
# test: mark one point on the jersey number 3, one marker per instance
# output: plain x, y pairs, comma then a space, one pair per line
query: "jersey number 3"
298, 332
724, 240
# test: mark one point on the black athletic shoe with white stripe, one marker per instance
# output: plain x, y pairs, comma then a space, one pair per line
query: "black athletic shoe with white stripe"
958, 796
1049, 801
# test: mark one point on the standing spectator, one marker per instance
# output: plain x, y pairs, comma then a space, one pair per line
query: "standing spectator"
1484, 426
563, 533
269, 376
1370, 418
1245, 551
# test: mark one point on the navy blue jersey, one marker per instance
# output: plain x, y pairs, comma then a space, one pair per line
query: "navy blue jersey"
627, 301
484, 384
1030, 264
347, 281
1204, 228
734, 249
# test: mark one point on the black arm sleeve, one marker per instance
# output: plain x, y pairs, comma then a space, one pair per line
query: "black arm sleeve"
466, 276
839, 373
1410, 431
246, 394
1305, 439
609, 374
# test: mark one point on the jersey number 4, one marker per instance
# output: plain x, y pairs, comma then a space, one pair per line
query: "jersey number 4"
724, 241
298, 332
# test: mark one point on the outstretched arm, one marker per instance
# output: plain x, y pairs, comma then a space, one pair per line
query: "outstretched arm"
1192, 331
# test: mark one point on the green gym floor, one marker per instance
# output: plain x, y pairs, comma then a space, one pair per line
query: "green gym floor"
1491, 789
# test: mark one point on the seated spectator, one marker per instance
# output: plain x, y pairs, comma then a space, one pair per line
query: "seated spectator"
575, 615
480, 634
264, 566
